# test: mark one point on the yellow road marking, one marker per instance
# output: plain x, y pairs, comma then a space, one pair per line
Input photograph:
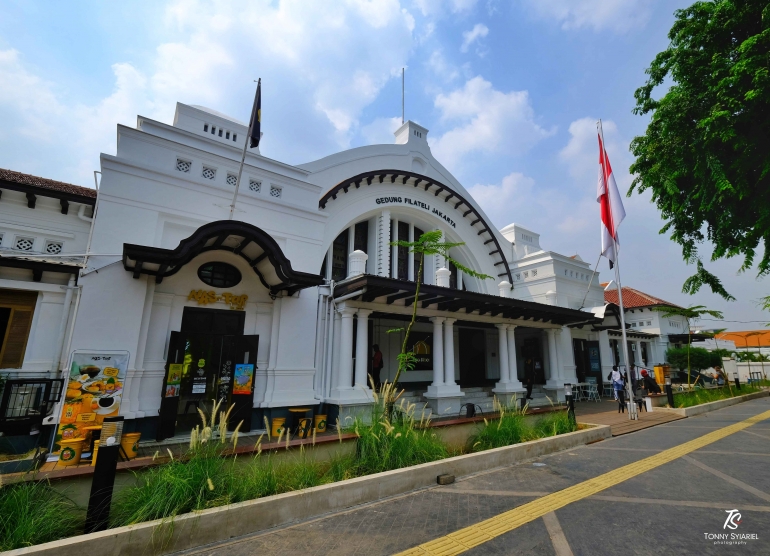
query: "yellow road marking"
484, 531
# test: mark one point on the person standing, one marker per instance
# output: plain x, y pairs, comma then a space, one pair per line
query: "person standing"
377, 365
617, 385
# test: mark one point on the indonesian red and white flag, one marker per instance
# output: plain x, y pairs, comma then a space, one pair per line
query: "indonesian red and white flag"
608, 197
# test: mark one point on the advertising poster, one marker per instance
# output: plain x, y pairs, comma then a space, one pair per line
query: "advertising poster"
422, 347
94, 390
244, 377
174, 380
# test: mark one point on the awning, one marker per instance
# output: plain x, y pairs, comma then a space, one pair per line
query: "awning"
685, 338
254, 245
638, 334
391, 290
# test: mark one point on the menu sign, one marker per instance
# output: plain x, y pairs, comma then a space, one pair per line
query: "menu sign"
174, 380
94, 391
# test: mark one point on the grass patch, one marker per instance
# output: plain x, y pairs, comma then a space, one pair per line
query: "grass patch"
706, 395
205, 478
34, 513
513, 427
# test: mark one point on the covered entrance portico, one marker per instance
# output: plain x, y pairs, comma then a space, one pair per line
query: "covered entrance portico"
463, 339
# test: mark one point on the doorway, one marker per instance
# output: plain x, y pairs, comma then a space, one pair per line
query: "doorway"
205, 359
473, 357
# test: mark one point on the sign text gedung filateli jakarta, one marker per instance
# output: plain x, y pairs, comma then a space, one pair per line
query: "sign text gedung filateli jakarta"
418, 204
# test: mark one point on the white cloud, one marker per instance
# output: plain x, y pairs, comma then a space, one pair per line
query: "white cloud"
616, 15
380, 131
485, 121
479, 31
321, 65
441, 68
440, 7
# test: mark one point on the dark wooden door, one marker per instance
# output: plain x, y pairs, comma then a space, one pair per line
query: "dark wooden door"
473, 359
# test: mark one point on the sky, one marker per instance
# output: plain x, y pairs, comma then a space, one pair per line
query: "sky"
510, 91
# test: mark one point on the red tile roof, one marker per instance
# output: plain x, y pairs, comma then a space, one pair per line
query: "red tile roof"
634, 298
45, 183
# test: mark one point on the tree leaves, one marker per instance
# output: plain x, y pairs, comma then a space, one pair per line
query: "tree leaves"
705, 155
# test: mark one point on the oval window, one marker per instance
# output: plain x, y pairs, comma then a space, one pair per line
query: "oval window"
219, 275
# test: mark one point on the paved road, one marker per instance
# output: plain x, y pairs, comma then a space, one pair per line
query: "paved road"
667, 509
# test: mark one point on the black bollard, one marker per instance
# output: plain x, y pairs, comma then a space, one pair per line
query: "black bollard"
571, 408
98, 514
737, 382
670, 395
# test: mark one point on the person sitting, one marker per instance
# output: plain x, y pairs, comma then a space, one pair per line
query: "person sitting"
651, 386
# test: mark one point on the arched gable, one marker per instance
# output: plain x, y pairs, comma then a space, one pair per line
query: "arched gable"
442, 192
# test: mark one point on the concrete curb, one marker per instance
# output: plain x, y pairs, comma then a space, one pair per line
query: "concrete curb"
219, 524
712, 406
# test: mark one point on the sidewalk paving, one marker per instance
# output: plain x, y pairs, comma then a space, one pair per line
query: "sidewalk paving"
666, 510
606, 413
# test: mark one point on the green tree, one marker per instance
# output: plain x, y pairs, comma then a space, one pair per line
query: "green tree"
428, 243
692, 313
696, 358
705, 154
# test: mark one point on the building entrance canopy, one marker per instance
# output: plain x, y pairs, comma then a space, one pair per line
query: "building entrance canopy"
367, 288
254, 245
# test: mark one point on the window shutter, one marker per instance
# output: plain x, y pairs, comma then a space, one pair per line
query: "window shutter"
16, 339
22, 306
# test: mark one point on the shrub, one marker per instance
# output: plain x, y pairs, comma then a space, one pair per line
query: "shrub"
513, 427
33, 513
698, 397
700, 358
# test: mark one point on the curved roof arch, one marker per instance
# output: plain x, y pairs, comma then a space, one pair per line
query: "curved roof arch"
253, 244
441, 191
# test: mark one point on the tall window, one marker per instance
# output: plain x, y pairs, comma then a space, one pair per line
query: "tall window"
361, 238
452, 275
417, 233
340, 257
16, 310
403, 252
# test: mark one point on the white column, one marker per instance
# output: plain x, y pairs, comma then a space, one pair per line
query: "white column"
438, 355
336, 350
362, 349
410, 256
346, 347
503, 385
394, 251
638, 356
567, 356
351, 239
513, 373
503, 352
329, 256
449, 352
554, 377
383, 244
459, 279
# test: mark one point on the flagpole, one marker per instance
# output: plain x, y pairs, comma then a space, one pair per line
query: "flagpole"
632, 410
243, 159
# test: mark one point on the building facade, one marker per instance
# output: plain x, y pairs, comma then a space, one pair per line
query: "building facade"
303, 281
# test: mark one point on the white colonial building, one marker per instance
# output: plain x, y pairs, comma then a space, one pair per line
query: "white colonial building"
301, 283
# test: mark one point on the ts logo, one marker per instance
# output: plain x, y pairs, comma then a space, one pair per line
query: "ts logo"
733, 519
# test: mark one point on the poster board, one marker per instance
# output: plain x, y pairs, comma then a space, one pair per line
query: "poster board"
244, 379
94, 389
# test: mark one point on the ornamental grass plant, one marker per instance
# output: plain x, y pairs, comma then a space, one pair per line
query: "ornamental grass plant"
512, 426
706, 395
33, 513
395, 438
